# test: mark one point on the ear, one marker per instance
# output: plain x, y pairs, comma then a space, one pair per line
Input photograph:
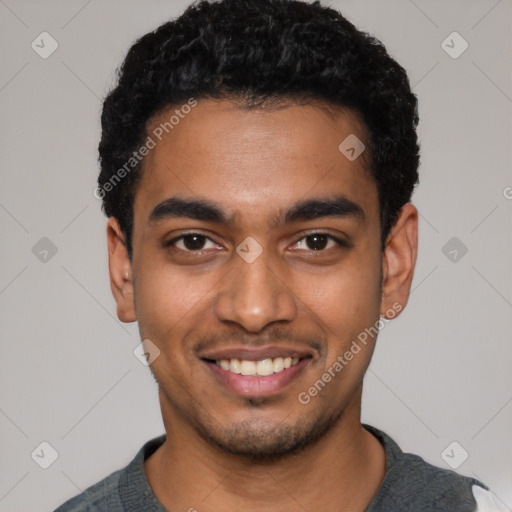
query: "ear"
120, 270
398, 262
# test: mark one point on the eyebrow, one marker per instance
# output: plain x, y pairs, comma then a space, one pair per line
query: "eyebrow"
337, 206
197, 209
204, 210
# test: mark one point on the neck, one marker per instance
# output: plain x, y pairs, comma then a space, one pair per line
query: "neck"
345, 466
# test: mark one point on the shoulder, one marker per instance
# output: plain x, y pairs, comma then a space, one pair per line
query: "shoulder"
411, 483
414, 482
126, 488
103, 495
444, 489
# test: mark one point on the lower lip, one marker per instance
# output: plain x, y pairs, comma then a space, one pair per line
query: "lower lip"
255, 386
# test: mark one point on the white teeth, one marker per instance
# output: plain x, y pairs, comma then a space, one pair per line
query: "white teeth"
234, 366
265, 367
261, 368
248, 368
278, 364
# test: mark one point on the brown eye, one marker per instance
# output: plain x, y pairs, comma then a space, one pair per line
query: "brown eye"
194, 242
317, 242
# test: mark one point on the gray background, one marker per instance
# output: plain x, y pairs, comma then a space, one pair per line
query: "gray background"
68, 376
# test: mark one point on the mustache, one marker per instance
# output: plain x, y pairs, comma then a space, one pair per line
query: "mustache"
272, 336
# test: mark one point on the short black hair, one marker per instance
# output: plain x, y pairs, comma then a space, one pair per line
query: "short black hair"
258, 52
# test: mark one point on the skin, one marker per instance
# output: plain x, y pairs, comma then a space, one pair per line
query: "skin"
255, 165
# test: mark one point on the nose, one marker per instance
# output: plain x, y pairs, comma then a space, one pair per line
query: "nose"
254, 295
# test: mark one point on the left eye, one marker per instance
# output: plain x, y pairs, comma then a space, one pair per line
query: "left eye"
193, 242
317, 242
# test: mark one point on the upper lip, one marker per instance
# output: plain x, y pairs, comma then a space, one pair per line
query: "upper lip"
256, 353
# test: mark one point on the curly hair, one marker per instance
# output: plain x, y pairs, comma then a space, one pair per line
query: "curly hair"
260, 52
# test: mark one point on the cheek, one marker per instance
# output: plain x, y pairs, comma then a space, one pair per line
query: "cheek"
347, 296
348, 310
165, 299
347, 303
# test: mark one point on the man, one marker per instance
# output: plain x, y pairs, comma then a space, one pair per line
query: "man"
257, 163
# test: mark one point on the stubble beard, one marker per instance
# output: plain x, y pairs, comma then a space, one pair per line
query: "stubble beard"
256, 439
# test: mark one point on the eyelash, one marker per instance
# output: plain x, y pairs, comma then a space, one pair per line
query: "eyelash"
338, 241
172, 243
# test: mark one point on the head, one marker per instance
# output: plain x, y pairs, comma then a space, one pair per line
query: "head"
257, 163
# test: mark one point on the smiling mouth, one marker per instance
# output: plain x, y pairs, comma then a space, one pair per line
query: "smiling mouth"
257, 373
261, 368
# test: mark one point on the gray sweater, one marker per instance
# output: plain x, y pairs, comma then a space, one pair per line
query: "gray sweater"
410, 485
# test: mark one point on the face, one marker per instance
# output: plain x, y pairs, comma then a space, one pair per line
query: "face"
256, 265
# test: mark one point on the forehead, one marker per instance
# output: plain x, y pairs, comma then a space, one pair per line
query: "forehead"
255, 158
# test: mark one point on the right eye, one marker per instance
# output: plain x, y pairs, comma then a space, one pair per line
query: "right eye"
192, 242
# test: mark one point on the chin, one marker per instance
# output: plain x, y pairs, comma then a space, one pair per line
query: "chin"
260, 440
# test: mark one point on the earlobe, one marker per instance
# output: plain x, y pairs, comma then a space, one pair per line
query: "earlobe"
120, 271
399, 260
